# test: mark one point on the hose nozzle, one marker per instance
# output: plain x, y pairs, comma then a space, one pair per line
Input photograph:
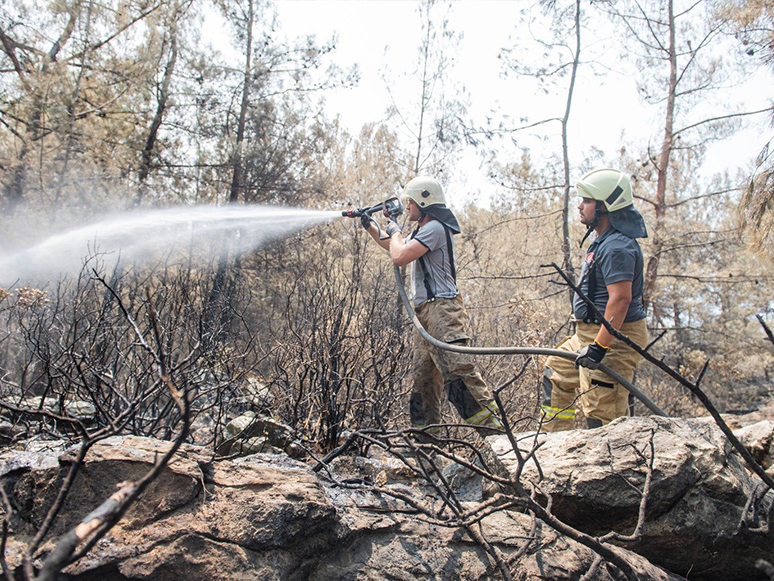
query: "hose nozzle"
352, 213
391, 207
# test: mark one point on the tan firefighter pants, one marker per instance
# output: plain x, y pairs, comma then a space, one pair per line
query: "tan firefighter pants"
437, 369
600, 398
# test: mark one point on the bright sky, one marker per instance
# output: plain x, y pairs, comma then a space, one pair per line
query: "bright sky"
382, 36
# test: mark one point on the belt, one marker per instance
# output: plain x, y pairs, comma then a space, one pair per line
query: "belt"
587, 320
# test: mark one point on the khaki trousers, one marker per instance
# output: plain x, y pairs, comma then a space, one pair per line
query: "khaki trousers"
437, 369
599, 397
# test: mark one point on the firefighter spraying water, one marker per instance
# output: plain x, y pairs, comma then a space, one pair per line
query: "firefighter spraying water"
438, 305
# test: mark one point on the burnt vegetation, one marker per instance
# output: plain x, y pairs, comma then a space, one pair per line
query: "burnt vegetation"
309, 329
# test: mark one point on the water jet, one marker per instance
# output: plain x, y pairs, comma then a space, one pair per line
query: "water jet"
145, 235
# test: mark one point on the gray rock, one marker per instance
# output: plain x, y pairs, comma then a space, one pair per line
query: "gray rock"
696, 502
256, 392
36, 455
269, 517
758, 438
239, 424
736, 421
251, 433
79, 409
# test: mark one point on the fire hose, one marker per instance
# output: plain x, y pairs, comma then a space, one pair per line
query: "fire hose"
392, 208
514, 350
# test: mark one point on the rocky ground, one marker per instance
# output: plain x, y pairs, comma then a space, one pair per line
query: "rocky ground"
259, 515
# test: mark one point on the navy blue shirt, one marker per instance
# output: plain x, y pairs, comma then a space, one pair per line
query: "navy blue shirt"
616, 258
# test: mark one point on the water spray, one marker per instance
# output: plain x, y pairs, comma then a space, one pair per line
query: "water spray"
145, 236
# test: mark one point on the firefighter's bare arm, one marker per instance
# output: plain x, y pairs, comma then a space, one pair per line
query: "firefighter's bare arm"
402, 252
620, 294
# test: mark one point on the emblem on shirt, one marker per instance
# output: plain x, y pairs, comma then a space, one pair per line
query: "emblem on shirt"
589, 257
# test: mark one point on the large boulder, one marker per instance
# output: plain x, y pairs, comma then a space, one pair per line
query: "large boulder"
758, 438
696, 521
266, 516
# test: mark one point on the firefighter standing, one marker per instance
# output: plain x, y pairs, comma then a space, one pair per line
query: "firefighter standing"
438, 305
612, 278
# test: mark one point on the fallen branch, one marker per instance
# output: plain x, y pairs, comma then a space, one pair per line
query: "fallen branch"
766, 329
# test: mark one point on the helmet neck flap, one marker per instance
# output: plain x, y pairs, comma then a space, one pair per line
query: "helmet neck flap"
444, 215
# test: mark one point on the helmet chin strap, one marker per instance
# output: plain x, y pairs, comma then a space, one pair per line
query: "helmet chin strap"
598, 213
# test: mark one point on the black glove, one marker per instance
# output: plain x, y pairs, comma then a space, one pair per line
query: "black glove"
391, 228
591, 355
365, 221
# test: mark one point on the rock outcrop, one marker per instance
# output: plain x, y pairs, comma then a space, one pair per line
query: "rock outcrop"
758, 438
266, 516
698, 522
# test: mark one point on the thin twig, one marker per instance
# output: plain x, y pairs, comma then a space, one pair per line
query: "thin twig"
656, 340
644, 496
766, 328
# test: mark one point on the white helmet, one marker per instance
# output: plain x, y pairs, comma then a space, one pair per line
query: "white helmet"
424, 191
607, 185
427, 193
613, 189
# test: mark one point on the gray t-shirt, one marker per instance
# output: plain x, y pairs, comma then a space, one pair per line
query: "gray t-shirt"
617, 258
437, 261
